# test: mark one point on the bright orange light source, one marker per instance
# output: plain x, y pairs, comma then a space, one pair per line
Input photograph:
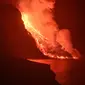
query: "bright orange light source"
42, 42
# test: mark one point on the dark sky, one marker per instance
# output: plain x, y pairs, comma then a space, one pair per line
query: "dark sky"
70, 14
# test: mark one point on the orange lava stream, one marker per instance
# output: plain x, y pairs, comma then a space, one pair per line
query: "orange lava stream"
41, 41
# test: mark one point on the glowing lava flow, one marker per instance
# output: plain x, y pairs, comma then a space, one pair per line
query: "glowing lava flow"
38, 19
42, 42
39, 38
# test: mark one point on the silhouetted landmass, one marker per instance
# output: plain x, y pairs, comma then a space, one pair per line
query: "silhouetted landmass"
16, 71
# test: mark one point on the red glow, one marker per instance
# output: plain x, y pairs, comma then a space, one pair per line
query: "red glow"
38, 20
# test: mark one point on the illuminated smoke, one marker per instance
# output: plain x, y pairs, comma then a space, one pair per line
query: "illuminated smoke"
37, 16
40, 14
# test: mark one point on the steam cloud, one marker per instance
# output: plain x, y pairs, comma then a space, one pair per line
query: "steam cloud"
40, 14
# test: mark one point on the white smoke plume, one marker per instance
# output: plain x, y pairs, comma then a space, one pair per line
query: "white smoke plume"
40, 15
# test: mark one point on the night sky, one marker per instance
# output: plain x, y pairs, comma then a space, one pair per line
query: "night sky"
70, 15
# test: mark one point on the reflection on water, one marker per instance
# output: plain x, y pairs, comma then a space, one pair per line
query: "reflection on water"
68, 72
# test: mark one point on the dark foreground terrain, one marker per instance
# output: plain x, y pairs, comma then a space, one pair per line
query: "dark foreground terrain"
68, 72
